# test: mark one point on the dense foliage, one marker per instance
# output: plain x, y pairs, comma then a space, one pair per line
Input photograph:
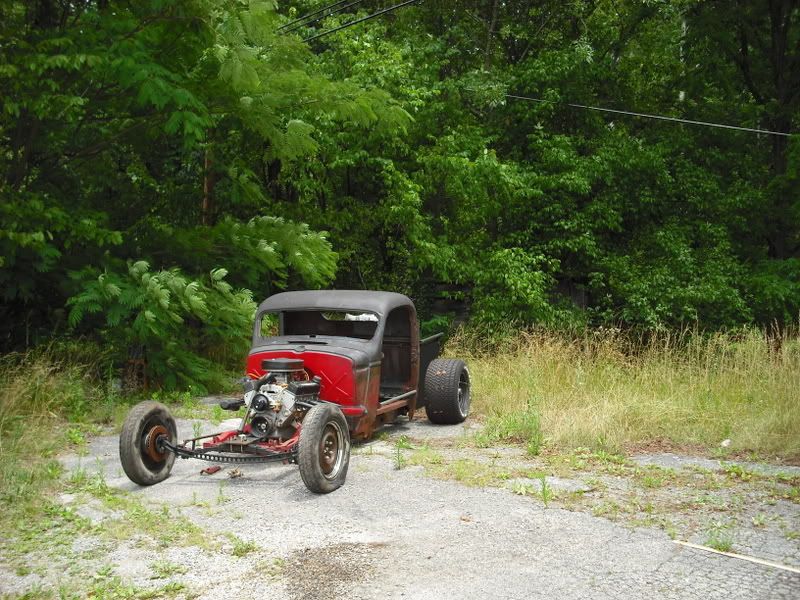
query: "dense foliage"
165, 162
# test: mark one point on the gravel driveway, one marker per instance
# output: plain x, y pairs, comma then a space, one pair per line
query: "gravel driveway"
388, 533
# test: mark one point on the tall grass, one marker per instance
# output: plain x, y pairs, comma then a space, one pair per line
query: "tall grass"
608, 389
43, 394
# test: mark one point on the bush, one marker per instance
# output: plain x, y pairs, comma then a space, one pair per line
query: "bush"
173, 320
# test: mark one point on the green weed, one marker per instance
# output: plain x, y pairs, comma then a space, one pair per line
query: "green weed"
165, 570
545, 491
399, 458
426, 455
241, 547
403, 443
221, 497
720, 537
759, 520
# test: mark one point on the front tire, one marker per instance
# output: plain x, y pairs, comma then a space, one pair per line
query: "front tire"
142, 460
447, 391
324, 449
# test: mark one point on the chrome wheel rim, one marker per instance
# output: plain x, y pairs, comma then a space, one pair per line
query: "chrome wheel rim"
331, 450
463, 392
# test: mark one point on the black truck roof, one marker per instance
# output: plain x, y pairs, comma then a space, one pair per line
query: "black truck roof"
380, 303
361, 351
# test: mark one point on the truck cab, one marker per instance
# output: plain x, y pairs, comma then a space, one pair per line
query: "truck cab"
365, 348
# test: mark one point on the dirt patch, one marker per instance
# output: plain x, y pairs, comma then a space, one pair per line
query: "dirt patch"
662, 446
329, 572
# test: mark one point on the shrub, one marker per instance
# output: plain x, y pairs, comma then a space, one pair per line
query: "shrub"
173, 319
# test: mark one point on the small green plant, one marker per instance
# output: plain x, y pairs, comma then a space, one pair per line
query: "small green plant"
595, 484
545, 491
104, 572
403, 443
608, 509
671, 530
197, 502
166, 569
652, 481
608, 458
542, 490
790, 493
426, 456
523, 489
759, 520
738, 472
75, 436
242, 548
22, 571
221, 497
399, 458
720, 537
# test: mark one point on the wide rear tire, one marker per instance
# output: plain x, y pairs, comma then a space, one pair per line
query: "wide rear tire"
143, 462
447, 391
324, 449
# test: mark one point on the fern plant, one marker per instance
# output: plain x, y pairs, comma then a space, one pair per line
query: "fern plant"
175, 319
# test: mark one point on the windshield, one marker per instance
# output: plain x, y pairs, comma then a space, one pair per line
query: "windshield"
357, 324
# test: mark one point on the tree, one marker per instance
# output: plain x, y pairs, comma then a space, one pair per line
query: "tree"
122, 129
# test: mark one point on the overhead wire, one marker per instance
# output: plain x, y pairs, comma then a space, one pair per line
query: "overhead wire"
323, 16
651, 116
311, 14
515, 96
360, 20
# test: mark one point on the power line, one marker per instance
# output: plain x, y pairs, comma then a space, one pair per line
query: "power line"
649, 116
323, 16
361, 20
304, 17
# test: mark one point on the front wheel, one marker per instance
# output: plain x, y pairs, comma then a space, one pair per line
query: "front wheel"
447, 391
143, 459
324, 449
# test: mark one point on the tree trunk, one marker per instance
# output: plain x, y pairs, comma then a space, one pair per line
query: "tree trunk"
207, 206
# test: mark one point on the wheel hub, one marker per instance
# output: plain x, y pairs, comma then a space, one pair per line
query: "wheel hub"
151, 447
328, 450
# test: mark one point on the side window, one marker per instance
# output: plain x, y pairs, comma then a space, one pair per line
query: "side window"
398, 324
269, 325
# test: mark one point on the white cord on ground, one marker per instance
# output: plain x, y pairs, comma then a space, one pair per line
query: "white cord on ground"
753, 559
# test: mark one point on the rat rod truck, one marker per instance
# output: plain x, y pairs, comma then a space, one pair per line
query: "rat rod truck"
324, 367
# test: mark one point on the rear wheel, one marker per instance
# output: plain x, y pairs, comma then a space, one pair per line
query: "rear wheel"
142, 458
447, 391
324, 449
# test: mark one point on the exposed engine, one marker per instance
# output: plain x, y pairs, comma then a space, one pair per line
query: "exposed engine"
276, 400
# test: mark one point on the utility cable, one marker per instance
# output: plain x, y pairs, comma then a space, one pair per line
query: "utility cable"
361, 20
311, 14
649, 116
320, 17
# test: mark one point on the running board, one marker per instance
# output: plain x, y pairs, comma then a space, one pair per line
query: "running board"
395, 402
